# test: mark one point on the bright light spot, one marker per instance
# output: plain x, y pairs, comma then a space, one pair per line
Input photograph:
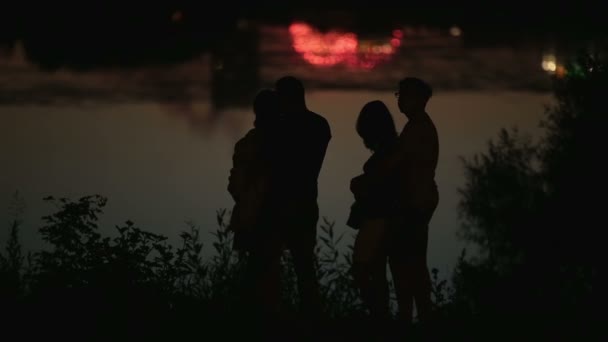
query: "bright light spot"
177, 16
455, 31
331, 48
549, 63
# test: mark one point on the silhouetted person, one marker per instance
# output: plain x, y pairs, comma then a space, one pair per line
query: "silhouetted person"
371, 212
413, 164
300, 154
250, 184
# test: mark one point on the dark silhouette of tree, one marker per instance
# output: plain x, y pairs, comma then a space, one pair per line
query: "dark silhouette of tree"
533, 209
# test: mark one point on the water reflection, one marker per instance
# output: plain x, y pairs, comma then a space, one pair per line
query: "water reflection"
255, 55
203, 118
334, 47
201, 90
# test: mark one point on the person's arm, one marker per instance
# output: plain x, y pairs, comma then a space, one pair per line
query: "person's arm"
358, 186
234, 178
398, 158
238, 172
320, 152
384, 169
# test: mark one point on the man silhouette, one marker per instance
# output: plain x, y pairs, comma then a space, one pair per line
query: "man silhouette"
413, 165
304, 139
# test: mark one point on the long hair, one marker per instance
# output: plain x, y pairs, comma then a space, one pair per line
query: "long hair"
375, 125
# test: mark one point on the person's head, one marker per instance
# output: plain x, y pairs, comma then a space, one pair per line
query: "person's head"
375, 125
266, 108
291, 94
413, 95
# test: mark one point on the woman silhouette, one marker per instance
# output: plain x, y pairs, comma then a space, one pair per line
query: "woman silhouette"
372, 208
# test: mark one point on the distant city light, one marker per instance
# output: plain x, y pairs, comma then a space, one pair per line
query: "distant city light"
455, 31
332, 48
549, 63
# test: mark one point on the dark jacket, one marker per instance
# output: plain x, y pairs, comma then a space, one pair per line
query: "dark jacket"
298, 159
249, 186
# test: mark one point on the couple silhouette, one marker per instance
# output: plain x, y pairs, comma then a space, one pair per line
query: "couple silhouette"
273, 182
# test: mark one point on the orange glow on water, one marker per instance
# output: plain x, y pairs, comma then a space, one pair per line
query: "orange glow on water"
322, 49
560, 71
333, 48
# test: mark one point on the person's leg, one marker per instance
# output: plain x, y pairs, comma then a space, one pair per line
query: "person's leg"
381, 290
409, 264
401, 271
422, 288
264, 277
420, 276
369, 267
269, 286
361, 268
303, 256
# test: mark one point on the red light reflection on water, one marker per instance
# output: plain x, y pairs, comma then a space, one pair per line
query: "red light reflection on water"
332, 48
